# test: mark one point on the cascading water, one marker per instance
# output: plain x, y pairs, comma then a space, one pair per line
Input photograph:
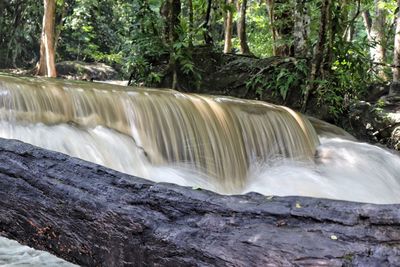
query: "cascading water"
215, 137
223, 144
218, 143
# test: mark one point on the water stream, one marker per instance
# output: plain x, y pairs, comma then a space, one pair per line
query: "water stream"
227, 145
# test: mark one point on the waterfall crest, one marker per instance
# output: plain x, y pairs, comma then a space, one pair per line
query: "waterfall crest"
223, 144
218, 136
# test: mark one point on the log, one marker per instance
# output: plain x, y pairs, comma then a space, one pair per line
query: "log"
94, 216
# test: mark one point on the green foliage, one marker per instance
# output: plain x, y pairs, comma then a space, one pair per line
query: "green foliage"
20, 27
182, 54
88, 33
140, 39
279, 78
123, 33
259, 34
128, 34
351, 71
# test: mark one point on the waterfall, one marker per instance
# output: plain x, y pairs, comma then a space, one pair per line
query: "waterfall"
223, 144
217, 136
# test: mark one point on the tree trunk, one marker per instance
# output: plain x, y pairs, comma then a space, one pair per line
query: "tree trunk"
301, 29
349, 31
228, 28
318, 56
282, 14
271, 16
376, 35
241, 27
395, 87
60, 24
93, 216
333, 27
171, 10
173, 20
207, 24
46, 63
191, 23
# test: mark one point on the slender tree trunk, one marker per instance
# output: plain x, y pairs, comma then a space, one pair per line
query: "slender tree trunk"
173, 20
376, 35
301, 28
164, 13
282, 16
333, 26
60, 24
228, 29
241, 28
207, 24
171, 10
271, 16
349, 31
46, 65
173, 36
191, 23
319, 51
395, 88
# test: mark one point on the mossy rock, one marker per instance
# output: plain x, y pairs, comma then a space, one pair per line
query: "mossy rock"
77, 70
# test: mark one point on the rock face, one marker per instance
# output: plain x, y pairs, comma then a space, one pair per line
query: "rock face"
377, 121
77, 70
94, 216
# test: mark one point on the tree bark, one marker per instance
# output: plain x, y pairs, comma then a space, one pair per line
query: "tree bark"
93, 216
376, 35
333, 27
60, 23
282, 14
395, 87
301, 29
349, 31
241, 27
191, 23
207, 24
271, 16
46, 65
228, 28
319, 51
171, 10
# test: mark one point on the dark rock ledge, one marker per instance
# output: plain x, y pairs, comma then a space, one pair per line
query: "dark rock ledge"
94, 216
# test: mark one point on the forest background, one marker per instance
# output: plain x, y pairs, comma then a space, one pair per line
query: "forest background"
329, 51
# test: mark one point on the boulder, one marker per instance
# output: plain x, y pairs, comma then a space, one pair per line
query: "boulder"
376, 122
77, 70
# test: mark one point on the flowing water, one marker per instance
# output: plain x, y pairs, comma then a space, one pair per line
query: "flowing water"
223, 144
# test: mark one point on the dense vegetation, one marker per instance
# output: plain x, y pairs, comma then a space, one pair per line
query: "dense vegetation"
340, 45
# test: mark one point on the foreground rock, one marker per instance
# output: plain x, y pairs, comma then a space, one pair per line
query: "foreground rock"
93, 216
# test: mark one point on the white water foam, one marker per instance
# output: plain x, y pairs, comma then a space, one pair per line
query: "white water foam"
342, 169
13, 254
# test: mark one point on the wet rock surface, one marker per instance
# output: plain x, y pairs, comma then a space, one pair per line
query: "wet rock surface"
377, 121
94, 216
